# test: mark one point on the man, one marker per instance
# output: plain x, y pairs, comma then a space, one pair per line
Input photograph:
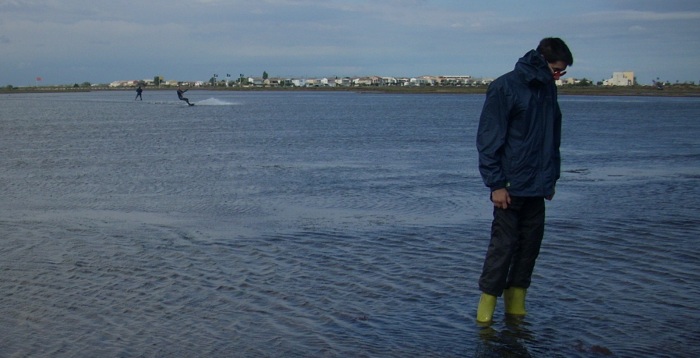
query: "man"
180, 93
139, 90
518, 142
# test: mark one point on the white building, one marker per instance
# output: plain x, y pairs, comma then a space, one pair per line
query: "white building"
129, 83
620, 79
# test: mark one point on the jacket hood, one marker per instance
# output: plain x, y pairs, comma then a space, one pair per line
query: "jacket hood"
533, 67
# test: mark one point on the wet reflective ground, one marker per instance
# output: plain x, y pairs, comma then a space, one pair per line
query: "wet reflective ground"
272, 224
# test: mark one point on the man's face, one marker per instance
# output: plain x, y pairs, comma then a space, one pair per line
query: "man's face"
558, 69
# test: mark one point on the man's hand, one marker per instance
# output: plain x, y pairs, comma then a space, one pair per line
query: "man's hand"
500, 198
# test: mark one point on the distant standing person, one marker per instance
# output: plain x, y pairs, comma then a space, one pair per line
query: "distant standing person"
518, 142
180, 93
139, 90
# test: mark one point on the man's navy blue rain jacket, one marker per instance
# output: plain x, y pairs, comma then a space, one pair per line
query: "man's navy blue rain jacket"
520, 130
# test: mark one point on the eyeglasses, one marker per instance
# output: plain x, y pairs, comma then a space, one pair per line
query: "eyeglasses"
557, 72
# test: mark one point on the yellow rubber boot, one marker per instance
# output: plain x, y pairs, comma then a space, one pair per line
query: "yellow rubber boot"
514, 299
487, 304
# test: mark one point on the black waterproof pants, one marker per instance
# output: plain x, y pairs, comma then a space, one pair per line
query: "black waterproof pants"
516, 236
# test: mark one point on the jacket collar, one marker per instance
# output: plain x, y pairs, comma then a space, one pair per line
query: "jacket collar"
533, 68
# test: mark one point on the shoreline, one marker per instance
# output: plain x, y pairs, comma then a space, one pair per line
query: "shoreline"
669, 91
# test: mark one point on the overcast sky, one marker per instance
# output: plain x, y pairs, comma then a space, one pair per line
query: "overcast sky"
99, 41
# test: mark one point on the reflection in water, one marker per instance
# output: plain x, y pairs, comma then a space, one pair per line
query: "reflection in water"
513, 338
507, 340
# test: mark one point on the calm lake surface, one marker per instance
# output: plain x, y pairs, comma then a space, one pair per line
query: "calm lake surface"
271, 224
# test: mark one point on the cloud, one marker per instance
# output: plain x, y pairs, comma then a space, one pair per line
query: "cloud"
634, 15
655, 5
405, 37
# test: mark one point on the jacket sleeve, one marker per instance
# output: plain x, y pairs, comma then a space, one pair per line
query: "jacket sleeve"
491, 137
557, 140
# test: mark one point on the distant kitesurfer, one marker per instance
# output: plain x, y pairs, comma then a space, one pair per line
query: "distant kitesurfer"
180, 91
518, 142
138, 93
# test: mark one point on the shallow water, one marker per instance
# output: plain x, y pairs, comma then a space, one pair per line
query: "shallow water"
278, 224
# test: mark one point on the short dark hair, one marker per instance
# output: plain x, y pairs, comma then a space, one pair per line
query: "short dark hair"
554, 49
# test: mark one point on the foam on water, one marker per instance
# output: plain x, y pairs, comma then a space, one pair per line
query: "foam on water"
215, 102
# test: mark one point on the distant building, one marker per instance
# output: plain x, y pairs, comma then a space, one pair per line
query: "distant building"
461, 80
566, 81
620, 79
129, 83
